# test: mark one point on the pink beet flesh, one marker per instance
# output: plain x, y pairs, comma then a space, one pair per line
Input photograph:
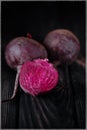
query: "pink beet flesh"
38, 76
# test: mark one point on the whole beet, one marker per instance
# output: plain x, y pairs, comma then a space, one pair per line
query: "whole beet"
62, 45
22, 49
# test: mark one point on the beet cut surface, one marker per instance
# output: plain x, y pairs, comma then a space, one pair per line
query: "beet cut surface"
38, 76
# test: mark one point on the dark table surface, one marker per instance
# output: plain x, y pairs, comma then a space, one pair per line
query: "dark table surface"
55, 109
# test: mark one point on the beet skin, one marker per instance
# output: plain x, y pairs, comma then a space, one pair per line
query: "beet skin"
22, 49
62, 45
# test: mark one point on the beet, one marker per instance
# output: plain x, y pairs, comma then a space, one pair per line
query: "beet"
38, 76
62, 45
20, 50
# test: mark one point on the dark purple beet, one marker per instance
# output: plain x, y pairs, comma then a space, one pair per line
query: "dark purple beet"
62, 45
22, 49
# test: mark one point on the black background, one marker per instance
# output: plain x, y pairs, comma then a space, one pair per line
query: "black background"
38, 18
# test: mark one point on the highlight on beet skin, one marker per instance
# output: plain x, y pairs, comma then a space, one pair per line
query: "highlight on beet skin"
38, 76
